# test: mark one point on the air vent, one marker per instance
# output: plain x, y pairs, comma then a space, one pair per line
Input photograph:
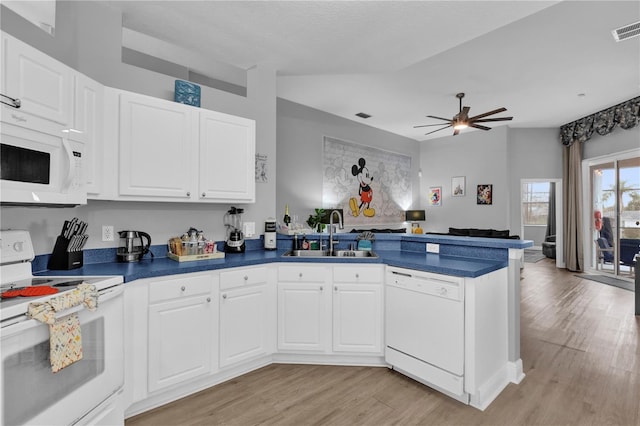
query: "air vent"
362, 115
626, 32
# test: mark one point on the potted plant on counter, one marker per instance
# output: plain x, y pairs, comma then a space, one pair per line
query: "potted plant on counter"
315, 221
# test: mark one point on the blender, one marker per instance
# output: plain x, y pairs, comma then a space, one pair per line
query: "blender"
235, 238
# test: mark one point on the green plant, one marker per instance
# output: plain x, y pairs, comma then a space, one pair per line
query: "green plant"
315, 221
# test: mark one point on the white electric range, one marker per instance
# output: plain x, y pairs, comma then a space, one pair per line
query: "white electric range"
16, 254
88, 391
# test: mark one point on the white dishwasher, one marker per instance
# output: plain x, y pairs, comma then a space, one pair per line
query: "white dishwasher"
425, 328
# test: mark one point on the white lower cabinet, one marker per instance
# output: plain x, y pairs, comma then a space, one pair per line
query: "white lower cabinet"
304, 308
335, 309
246, 315
358, 309
182, 330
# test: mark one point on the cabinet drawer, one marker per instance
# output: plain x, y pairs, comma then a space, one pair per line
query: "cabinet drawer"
242, 277
356, 274
307, 274
179, 287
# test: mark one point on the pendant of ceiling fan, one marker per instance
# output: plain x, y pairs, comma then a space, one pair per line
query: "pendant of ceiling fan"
462, 120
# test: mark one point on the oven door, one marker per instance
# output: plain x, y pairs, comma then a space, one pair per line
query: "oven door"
32, 394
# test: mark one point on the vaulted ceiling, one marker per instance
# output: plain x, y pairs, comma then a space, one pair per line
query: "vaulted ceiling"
547, 62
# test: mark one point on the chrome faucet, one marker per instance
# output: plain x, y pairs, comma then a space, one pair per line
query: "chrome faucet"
331, 242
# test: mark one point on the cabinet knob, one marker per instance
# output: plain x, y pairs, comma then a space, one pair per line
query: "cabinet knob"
188, 194
357, 275
335, 288
209, 299
246, 278
224, 296
321, 288
300, 274
204, 194
183, 288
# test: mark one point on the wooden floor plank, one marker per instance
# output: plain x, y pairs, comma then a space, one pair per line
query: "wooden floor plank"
581, 356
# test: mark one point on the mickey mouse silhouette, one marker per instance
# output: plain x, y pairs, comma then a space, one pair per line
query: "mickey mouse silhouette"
364, 190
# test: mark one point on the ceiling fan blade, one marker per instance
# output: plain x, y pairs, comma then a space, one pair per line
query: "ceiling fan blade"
477, 126
439, 118
437, 130
495, 111
428, 125
486, 120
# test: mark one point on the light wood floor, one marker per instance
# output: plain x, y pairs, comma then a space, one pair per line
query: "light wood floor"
581, 355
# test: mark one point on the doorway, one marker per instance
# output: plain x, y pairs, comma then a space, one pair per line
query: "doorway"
614, 225
541, 215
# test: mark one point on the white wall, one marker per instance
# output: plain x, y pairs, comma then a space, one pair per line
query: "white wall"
502, 157
479, 156
300, 148
88, 38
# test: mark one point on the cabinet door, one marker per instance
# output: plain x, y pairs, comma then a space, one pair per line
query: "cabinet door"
43, 85
155, 148
303, 317
180, 340
244, 324
87, 128
357, 318
227, 157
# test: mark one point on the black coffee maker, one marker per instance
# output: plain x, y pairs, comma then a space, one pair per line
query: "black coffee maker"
235, 238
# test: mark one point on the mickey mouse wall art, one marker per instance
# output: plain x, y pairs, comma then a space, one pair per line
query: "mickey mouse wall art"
365, 192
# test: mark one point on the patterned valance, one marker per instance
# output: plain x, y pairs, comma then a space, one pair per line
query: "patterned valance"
625, 115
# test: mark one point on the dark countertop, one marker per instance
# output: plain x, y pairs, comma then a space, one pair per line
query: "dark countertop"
162, 266
459, 256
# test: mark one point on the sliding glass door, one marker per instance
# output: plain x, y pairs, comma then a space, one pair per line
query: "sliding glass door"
615, 224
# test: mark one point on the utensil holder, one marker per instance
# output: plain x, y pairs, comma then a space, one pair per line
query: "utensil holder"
61, 259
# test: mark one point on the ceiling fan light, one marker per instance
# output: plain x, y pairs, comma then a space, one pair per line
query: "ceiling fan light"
460, 126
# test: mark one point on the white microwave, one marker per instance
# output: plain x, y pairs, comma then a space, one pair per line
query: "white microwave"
39, 164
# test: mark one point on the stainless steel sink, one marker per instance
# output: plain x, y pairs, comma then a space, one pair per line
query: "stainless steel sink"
354, 254
308, 253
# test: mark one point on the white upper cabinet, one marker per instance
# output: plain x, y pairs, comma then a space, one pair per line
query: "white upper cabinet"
87, 128
43, 85
156, 147
169, 151
226, 157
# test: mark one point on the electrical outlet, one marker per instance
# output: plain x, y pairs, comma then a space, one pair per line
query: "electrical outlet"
107, 233
433, 248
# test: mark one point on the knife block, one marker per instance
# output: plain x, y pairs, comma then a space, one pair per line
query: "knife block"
61, 259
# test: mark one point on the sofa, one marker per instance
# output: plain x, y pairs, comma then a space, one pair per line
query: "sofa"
475, 232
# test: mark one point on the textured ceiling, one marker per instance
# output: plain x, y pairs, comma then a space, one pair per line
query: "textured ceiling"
400, 61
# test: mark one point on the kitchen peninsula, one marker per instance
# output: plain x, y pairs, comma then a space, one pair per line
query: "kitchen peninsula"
209, 321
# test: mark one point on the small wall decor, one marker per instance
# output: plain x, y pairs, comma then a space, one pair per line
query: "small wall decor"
262, 171
457, 186
435, 196
485, 194
187, 93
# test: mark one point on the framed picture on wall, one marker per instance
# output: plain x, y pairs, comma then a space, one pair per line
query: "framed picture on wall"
457, 186
435, 196
485, 194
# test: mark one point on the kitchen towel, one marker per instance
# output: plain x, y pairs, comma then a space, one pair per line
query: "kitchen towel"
65, 339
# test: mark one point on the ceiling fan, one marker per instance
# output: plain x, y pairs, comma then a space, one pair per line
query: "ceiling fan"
462, 120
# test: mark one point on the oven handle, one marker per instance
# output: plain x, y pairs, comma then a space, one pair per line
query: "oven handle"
23, 323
